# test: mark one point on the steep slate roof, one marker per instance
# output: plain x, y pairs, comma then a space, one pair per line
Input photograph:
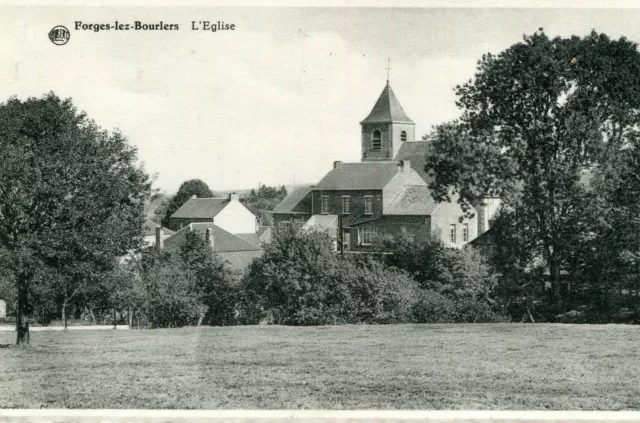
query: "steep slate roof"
203, 208
298, 201
223, 241
150, 228
416, 153
359, 176
414, 200
387, 109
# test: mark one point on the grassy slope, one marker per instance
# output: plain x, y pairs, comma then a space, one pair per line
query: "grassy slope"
409, 366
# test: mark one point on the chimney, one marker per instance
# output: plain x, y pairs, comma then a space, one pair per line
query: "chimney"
233, 197
209, 237
336, 164
159, 237
404, 165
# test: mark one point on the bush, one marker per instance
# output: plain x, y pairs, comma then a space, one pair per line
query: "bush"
169, 296
433, 307
456, 284
185, 287
299, 280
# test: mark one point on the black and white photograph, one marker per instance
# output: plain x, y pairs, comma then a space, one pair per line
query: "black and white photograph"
329, 212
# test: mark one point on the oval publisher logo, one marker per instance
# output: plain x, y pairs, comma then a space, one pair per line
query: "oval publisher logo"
59, 35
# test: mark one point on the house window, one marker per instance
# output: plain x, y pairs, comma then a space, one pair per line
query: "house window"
465, 232
403, 136
366, 234
346, 204
452, 233
368, 204
376, 141
325, 204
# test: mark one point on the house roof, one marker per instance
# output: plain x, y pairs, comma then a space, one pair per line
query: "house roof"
298, 201
485, 238
359, 176
262, 230
414, 200
387, 109
251, 237
203, 208
150, 226
416, 153
223, 241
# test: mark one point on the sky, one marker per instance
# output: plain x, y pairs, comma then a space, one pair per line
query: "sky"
279, 98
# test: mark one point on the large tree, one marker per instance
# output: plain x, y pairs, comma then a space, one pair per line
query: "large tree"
533, 119
72, 197
187, 190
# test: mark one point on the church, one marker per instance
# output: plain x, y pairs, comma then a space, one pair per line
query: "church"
385, 194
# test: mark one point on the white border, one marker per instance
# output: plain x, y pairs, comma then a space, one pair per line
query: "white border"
504, 4
51, 415
110, 415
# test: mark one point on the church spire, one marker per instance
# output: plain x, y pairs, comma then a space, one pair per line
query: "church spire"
386, 128
387, 109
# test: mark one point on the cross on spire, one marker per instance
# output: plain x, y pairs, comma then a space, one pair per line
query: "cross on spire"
388, 68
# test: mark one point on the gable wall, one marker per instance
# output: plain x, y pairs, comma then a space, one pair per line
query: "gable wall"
236, 219
447, 214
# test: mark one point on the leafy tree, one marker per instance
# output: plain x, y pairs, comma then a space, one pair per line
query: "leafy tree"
216, 284
187, 190
456, 285
169, 296
533, 119
159, 207
300, 280
72, 196
263, 201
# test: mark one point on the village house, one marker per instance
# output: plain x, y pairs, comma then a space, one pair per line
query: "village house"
227, 225
384, 194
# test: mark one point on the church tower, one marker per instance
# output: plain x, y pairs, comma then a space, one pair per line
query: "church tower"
386, 128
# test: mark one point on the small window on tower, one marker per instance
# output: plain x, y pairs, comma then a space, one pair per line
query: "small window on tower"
376, 141
403, 136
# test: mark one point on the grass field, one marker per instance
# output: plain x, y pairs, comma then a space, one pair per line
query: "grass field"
510, 366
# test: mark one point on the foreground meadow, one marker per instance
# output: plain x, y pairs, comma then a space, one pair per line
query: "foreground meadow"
499, 366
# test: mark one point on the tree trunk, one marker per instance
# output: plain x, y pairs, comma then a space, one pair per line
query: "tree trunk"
93, 317
554, 273
64, 314
130, 316
22, 321
114, 318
